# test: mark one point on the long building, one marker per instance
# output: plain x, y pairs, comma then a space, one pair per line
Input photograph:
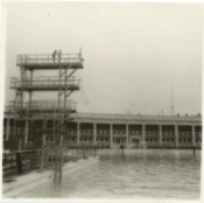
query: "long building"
38, 122
110, 130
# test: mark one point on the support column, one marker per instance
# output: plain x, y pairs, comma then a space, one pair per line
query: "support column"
61, 139
160, 136
44, 135
44, 140
31, 76
193, 136
176, 136
30, 92
111, 135
30, 99
94, 133
143, 136
127, 136
8, 129
26, 133
78, 133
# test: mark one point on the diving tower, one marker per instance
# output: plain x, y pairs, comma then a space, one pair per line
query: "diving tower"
64, 83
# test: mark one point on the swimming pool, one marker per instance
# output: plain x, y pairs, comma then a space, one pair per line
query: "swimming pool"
139, 173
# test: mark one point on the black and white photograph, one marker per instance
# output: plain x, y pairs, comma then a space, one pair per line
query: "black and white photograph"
102, 100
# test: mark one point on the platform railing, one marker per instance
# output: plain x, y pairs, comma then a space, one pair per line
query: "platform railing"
17, 82
48, 59
47, 105
11, 108
40, 106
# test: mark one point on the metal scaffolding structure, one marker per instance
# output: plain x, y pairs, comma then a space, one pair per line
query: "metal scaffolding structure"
64, 83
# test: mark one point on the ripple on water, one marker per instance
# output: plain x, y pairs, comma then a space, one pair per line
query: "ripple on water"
138, 174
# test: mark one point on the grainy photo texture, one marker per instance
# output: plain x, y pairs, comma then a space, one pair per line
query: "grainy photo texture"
102, 100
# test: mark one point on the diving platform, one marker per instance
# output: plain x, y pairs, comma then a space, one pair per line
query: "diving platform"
41, 106
44, 84
47, 62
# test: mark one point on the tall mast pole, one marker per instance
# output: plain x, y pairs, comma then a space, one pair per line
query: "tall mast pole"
172, 99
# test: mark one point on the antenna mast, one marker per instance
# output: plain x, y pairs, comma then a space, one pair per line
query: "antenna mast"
172, 99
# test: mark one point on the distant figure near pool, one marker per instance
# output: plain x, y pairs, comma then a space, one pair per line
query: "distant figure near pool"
122, 147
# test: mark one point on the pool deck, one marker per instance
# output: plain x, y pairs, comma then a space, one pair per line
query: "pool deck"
28, 181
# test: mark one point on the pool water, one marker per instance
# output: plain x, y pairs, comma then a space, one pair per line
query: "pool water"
172, 174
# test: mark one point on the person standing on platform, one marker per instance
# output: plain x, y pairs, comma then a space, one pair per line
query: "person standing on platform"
59, 55
54, 54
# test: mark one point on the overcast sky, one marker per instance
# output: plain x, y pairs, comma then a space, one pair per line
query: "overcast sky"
133, 52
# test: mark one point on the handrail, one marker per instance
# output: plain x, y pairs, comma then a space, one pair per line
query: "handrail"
48, 58
43, 102
40, 105
42, 81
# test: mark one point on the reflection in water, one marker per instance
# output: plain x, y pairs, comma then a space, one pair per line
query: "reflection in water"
136, 174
